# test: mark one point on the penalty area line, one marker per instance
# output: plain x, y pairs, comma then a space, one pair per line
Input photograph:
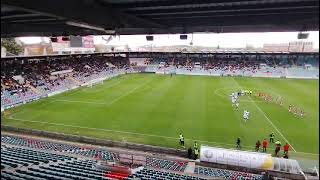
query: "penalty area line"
106, 103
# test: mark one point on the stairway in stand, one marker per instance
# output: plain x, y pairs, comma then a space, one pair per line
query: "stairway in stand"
74, 80
190, 167
33, 88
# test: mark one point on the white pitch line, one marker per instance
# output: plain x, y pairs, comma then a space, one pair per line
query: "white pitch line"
124, 132
73, 93
23, 111
109, 85
274, 126
129, 92
112, 84
266, 117
307, 153
86, 102
105, 103
141, 134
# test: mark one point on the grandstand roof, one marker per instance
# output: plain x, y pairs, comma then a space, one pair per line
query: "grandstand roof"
61, 17
147, 54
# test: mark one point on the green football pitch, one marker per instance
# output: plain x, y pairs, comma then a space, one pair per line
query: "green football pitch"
153, 109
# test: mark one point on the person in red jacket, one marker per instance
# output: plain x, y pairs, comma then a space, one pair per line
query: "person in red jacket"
286, 148
264, 145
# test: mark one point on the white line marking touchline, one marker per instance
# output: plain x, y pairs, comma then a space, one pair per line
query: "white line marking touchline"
274, 126
125, 132
141, 134
23, 111
86, 102
268, 119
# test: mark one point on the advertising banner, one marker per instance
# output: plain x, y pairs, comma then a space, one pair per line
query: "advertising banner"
236, 158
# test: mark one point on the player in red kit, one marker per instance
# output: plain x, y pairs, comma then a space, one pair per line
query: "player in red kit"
264, 145
286, 148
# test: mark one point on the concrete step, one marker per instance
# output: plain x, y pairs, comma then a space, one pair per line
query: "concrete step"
74, 80
33, 88
190, 167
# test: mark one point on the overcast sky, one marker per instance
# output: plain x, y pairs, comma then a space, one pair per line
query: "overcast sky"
229, 40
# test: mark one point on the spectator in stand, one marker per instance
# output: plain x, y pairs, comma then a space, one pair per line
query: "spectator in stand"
267, 176
38, 73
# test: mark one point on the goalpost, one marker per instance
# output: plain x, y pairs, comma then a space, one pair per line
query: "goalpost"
94, 82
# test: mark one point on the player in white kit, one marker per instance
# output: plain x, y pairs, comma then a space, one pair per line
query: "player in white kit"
245, 115
233, 100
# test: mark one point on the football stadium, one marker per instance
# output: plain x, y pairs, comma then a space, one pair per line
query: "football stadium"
75, 109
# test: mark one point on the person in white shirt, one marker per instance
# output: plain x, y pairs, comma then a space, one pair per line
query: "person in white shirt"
245, 115
234, 100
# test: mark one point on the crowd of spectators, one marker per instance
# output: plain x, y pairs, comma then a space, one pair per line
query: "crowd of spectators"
224, 63
18, 76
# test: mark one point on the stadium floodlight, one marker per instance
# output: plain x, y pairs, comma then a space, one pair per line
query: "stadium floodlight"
71, 23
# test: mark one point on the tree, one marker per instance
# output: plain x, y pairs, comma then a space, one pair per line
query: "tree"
11, 46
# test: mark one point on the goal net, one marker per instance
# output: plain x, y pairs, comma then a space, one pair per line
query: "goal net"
95, 82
